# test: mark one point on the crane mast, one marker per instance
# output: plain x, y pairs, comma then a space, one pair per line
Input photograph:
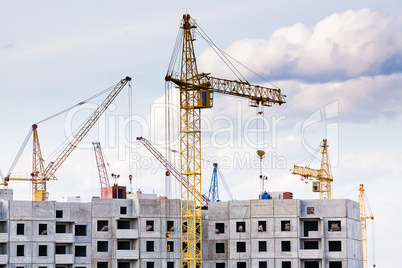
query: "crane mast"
323, 175
213, 194
43, 175
196, 93
364, 216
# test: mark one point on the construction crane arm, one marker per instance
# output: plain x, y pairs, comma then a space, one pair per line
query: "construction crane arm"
53, 166
306, 172
173, 170
267, 96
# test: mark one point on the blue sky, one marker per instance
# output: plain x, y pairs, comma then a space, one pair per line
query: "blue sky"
338, 62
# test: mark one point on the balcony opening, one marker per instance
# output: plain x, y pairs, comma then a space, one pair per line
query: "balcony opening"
123, 265
3, 248
102, 246
334, 246
285, 226
102, 226
149, 226
60, 228
219, 228
262, 226
3, 227
123, 224
334, 226
219, 248
310, 245
240, 226
311, 264
124, 245
310, 226
61, 249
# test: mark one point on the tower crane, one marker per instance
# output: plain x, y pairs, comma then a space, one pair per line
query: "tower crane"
40, 174
213, 194
100, 162
364, 216
196, 93
323, 175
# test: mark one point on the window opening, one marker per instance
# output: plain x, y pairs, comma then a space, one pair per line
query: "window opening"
240, 226
80, 251
334, 246
334, 226
42, 229
103, 226
285, 246
310, 226
103, 246
150, 246
241, 246
149, 226
123, 245
219, 228
262, 246
20, 228
220, 248
123, 210
285, 226
59, 214
262, 226
80, 230
42, 250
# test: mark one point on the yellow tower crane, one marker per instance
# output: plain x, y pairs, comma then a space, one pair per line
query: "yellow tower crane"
323, 175
40, 175
196, 93
364, 216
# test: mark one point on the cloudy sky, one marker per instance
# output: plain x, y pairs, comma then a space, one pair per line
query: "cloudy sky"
338, 62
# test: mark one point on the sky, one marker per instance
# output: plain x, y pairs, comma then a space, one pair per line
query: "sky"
338, 62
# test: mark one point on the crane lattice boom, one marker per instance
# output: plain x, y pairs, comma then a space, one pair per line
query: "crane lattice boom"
100, 162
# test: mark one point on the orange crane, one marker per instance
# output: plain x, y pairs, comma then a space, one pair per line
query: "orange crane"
196, 93
40, 174
364, 216
323, 175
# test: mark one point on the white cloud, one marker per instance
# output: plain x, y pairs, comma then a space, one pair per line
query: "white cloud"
341, 46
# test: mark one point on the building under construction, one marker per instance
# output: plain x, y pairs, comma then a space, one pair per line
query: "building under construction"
142, 230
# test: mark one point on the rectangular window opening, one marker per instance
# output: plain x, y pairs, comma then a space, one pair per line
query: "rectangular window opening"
311, 245
150, 264
334, 246
334, 226
262, 264
285, 246
59, 214
220, 248
61, 249
123, 224
285, 226
240, 226
335, 264
123, 265
150, 246
102, 246
241, 247
310, 210
170, 226
220, 265
241, 264
170, 264
42, 250
262, 246
149, 226
20, 228
42, 229
103, 226
123, 210
170, 246
219, 228
20, 250
286, 264
80, 230
102, 264
61, 228
262, 226
80, 251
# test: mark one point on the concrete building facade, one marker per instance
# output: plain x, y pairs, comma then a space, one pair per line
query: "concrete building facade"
144, 231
